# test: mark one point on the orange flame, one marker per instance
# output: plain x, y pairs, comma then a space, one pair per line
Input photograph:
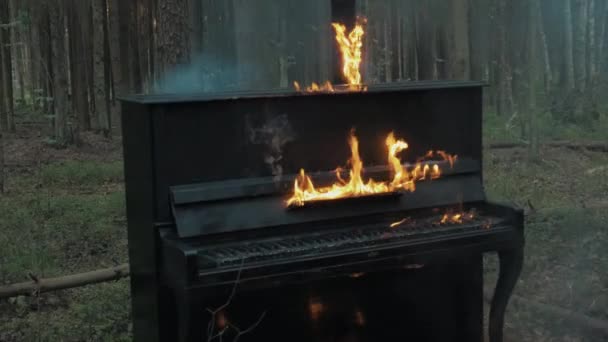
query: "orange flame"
403, 179
398, 223
456, 218
350, 47
314, 87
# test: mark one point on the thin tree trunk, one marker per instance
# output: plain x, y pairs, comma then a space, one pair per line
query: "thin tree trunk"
569, 46
60, 79
388, 58
7, 67
102, 103
1, 163
505, 92
459, 67
18, 45
548, 76
602, 40
124, 17
174, 40
580, 44
77, 13
3, 111
134, 51
533, 24
591, 46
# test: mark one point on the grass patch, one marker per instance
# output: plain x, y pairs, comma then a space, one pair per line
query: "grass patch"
81, 173
55, 234
94, 313
503, 129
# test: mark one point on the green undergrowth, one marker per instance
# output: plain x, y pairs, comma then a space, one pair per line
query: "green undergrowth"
507, 129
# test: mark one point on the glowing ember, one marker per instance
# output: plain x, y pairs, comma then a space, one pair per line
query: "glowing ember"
398, 223
314, 87
350, 47
403, 179
457, 218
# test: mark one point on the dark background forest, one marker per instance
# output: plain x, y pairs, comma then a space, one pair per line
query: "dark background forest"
64, 63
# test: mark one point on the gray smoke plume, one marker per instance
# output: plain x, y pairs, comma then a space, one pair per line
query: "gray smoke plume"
273, 134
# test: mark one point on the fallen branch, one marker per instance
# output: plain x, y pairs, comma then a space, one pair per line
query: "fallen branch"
37, 286
591, 146
572, 316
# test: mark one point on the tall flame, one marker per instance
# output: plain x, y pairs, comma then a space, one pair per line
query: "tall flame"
350, 47
403, 179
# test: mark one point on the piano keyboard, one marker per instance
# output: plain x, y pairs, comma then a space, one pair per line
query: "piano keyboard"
319, 243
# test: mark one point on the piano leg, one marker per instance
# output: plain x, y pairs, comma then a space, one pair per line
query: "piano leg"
191, 316
511, 262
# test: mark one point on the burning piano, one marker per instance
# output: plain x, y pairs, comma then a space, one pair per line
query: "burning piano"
327, 213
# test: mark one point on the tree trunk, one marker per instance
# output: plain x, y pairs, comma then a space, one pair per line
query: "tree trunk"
2, 185
3, 111
459, 67
580, 44
174, 39
124, 17
7, 67
602, 41
77, 14
100, 58
568, 46
18, 46
533, 24
387, 51
548, 76
59, 79
591, 46
505, 90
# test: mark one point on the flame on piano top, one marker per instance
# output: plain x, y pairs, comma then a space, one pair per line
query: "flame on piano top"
404, 178
351, 46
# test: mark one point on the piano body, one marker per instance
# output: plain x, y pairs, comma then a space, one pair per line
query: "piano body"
216, 254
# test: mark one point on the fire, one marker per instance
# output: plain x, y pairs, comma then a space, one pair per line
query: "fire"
398, 223
314, 87
404, 179
351, 46
457, 218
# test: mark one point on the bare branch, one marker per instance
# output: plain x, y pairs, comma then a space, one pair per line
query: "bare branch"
251, 327
236, 282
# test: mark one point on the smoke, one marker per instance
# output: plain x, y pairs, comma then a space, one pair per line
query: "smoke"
273, 135
205, 73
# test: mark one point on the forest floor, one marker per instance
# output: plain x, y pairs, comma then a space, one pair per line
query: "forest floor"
63, 213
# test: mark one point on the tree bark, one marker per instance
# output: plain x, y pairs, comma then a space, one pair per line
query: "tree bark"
505, 89
60, 78
580, 44
18, 46
1, 163
174, 39
77, 14
7, 67
548, 75
100, 58
591, 46
37, 286
459, 67
568, 46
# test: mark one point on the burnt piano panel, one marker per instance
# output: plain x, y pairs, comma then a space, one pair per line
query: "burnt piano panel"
207, 177
261, 135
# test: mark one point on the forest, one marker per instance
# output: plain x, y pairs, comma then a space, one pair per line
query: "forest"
64, 64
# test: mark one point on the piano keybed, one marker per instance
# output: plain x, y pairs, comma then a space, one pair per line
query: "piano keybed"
317, 243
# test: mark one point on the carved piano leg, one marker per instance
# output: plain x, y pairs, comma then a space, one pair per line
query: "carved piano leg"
511, 262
